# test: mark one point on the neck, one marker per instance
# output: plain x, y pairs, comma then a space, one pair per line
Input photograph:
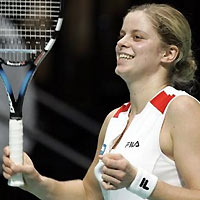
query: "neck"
141, 93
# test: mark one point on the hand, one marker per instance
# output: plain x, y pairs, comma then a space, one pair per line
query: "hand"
30, 174
117, 172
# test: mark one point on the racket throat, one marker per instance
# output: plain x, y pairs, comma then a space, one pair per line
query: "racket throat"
16, 111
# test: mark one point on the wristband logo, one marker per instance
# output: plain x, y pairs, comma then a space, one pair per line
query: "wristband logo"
144, 183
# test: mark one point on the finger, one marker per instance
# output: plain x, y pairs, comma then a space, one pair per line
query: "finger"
27, 170
114, 156
6, 161
6, 176
108, 186
18, 168
118, 174
14, 168
112, 180
6, 151
111, 163
6, 169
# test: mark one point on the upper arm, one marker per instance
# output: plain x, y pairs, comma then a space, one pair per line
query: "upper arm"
90, 182
185, 132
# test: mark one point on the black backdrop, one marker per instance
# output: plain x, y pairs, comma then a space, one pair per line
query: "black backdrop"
80, 72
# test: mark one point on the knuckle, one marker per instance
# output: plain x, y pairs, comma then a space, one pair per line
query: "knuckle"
104, 159
3, 166
105, 185
107, 162
5, 169
5, 159
14, 168
103, 176
120, 156
121, 175
104, 169
6, 151
6, 176
117, 183
123, 165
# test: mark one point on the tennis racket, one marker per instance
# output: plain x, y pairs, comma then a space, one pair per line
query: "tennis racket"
28, 30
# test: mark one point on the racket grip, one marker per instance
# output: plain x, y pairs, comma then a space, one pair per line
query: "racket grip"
16, 149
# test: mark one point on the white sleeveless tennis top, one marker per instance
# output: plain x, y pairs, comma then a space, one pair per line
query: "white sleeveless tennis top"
140, 143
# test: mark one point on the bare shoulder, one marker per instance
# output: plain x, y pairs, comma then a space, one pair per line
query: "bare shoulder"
185, 100
111, 114
183, 107
183, 118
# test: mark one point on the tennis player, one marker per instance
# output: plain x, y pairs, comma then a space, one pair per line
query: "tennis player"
149, 148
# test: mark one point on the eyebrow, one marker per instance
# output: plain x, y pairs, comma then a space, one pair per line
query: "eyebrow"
134, 31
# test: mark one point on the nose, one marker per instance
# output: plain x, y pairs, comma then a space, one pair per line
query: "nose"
123, 42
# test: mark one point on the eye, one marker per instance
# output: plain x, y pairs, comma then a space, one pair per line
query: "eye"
120, 37
137, 37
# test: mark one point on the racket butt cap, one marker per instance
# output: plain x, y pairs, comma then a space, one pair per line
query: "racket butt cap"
16, 180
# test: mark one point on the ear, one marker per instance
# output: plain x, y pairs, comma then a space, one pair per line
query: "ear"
170, 54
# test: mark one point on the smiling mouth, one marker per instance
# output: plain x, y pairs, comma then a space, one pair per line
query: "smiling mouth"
126, 56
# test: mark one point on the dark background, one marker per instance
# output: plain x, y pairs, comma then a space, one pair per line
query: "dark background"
79, 74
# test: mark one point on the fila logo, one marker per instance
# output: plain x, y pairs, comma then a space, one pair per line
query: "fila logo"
132, 144
144, 183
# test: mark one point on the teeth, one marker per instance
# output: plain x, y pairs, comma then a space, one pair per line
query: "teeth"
126, 56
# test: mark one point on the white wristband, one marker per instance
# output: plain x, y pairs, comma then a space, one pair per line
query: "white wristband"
143, 184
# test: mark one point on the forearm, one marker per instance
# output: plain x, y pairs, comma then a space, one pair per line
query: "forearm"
50, 189
164, 191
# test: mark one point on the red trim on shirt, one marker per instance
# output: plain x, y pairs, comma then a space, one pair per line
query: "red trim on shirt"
161, 101
123, 108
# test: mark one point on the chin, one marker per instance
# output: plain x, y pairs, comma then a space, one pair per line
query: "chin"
120, 73
120, 70
116, 71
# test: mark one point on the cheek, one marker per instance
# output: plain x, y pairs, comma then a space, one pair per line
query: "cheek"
142, 51
148, 52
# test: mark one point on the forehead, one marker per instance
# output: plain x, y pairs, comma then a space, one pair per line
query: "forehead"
138, 20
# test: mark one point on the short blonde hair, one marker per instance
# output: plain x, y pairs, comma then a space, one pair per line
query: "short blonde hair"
173, 29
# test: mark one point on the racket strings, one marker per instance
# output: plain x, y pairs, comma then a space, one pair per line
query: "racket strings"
26, 27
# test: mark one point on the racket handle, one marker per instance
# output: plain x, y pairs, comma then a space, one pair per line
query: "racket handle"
16, 150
